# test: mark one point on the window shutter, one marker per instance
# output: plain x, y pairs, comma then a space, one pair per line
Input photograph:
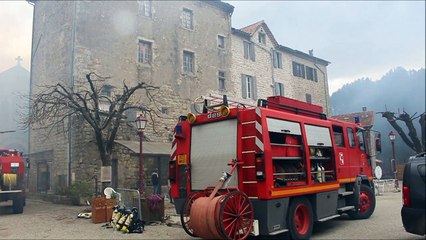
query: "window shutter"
274, 54
252, 52
280, 60
246, 50
315, 75
294, 69
243, 86
302, 67
254, 88
276, 89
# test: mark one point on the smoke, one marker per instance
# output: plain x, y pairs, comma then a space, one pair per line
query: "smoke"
124, 23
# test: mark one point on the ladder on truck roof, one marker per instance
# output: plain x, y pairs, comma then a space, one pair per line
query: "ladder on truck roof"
213, 100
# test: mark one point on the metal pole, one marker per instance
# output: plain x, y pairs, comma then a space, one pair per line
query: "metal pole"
396, 165
141, 164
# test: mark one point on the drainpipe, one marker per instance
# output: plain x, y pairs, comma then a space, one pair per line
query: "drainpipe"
71, 86
271, 52
29, 99
325, 87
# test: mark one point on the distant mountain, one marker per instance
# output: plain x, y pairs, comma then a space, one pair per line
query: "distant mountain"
396, 91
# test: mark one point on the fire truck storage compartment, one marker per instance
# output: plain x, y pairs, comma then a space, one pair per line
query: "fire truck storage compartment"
321, 153
287, 153
213, 146
325, 204
271, 214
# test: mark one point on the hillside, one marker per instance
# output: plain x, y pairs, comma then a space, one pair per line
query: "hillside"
397, 90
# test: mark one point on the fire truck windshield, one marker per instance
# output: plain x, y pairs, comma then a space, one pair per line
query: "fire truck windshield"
360, 135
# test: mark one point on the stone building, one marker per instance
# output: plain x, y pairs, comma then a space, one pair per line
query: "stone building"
187, 48
261, 67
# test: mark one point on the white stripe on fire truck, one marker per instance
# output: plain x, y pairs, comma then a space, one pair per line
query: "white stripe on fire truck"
259, 127
259, 144
248, 166
258, 112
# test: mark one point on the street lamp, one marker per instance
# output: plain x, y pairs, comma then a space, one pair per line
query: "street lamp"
392, 137
140, 125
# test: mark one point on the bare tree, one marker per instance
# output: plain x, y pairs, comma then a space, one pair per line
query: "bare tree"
412, 140
51, 108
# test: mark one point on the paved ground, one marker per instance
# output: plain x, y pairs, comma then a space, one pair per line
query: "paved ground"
44, 220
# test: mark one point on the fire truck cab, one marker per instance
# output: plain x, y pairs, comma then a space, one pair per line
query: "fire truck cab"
296, 166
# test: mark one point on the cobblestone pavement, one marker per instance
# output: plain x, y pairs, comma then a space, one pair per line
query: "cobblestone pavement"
45, 220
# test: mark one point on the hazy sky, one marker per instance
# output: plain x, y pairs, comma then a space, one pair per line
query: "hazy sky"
359, 38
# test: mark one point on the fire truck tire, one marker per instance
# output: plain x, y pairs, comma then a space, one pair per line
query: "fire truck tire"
185, 212
18, 205
300, 218
367, 203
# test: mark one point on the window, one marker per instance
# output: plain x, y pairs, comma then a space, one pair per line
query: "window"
249, 89
187, 18
145, 8
188, 62
338, 136
308, 98
360, 136
144, 52
106, 90
278, 62
164, 110
221, 80
351, 137
262, 37
311, 74
298, 70
220, 41
279, 89
249, 51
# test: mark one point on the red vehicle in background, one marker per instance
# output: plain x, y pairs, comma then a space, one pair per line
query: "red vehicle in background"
294, 167
12, 175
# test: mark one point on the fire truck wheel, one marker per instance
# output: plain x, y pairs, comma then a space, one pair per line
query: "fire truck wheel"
18, 205
367, 203
300, 218
186, 209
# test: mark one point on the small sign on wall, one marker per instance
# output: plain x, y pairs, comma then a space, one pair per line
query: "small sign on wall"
106, 174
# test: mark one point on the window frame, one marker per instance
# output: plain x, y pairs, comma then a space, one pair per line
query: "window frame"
220, 41
188, 66
277, 59
249, 50
308, 98
261, 37
143, 56
311, 74
298, 69
279, 89
249, 88
187, 19
221, 81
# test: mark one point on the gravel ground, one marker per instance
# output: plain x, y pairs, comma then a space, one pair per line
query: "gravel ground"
45, 220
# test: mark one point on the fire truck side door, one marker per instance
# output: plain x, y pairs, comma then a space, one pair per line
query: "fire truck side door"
353, 153
342, 158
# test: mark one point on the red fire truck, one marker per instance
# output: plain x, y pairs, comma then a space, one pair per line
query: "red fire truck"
293, 167
12, 177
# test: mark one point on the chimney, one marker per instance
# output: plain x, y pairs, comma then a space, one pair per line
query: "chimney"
364, 109
311, 52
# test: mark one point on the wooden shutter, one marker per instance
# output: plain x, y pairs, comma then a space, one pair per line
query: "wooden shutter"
254, 88
243, 86
252, 52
